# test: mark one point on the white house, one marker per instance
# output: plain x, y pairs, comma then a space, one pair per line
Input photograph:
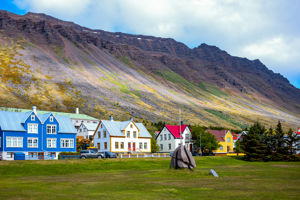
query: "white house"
122, 136
86, 130
171, 136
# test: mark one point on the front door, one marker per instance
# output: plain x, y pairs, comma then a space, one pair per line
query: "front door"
129, 146
41, 156
228, 149
191, 147
133, 146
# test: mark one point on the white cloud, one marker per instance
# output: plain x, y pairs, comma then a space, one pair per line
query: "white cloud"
60, 7
277, 48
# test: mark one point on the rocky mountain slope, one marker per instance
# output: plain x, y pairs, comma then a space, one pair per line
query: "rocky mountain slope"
60, 65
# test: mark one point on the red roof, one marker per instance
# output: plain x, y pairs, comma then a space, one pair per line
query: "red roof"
175, 129
234, 136
219, 134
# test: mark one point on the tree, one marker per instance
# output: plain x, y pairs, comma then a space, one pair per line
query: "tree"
208, 140
292, 141
154, 145
254, 143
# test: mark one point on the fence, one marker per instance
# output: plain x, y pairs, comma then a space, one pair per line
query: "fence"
69, 156
152, 155
39, 157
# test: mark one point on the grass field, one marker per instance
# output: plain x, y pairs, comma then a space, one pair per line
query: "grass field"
148, 178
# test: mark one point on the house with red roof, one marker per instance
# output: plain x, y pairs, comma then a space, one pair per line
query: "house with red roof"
171, 136
225, 140
298, 143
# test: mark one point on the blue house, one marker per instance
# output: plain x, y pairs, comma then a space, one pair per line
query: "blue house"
34, 136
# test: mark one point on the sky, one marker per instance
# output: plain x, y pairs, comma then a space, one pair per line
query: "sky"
268, 30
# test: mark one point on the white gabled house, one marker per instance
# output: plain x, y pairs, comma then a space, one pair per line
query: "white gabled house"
171, 136
86, 130
122, 136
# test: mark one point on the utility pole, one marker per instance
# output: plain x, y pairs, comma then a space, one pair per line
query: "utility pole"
181, 141
200, 143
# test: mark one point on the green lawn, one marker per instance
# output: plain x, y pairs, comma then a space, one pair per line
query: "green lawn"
148, 178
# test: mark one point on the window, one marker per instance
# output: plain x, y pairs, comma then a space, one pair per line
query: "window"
161, 147
51, 142
187, 137
145, 145
122, 145
32, 154
32, 142
228, 139
116, 145
51, 118
128, 134
161, 137
141, 145
169, 137
67, 143
99, 134
104, 134
14, 141
98, 146
101, 126
131, 126
134, 134
32, 117
221, 148
51, 129
32, 128
105, 145
170, 146
165, 136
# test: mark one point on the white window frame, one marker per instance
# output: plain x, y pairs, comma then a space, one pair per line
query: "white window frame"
63, 143
145, 145
34, 128
51, 128
161, 137
134, 134
161, 147
141, 145
19, 140
169, 136
51, 119
32, 117
32, 144
52, 142
170, 146
165, 136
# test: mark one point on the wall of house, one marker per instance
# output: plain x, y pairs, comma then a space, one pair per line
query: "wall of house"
102, 140
111, 140
131, 141
225, 144
174, 142
41, 136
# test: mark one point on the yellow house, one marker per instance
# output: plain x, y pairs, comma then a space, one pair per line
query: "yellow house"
225, 139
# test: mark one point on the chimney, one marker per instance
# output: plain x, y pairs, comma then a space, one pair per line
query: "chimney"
34, 109
111, 118
77, 111
131, 119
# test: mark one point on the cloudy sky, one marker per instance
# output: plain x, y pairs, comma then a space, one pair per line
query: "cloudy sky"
265, 29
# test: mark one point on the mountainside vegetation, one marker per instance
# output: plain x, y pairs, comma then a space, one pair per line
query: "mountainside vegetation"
58, 65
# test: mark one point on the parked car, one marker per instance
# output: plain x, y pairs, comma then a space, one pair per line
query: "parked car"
90, 154
108, 154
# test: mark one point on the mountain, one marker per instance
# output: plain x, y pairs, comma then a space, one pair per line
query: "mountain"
59, 65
